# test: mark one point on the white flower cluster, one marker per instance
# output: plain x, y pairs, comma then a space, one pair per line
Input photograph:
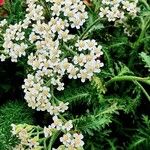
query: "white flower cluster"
38, 96
73, 10
87, 62
83, 65
58, 124
3, 23
72, 141
48, 59
49, 62
29, 135
52, 57
22, 132
47, 37
118, 9
14, 43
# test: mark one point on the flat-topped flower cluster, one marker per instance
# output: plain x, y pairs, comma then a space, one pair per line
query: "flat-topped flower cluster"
118, 10
29, 136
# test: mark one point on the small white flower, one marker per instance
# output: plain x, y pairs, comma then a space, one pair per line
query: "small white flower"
103, 11
63, 107
20, 36
57, 123
3, 22
47, 131
78, 140
2, 57
33, 143
66, 139
68, 125
13, 131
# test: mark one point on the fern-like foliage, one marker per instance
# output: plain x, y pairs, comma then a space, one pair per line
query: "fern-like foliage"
15, 10
146, 59
100, 118
141, 139
98, 84
12, 112
75, 93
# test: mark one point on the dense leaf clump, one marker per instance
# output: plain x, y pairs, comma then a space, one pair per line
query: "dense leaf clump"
12, 112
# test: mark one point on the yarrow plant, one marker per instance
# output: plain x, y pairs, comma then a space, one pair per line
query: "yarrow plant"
51, 59
51, 39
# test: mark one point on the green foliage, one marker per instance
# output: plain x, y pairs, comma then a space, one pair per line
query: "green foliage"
98, 84
100, 118
15, 10
141, 139
12, 112
146, 59
74, 93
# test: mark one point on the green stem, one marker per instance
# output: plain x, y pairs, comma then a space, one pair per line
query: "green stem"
37, 133
45, 5
146, 4
145, 26
45, 144
48, 83
41, 140
143, 40
145, 23
128, 78
116, 45
53, 138
1, 35
52, 94
87, 30
144, 91
55, 98
62, 118
68, 49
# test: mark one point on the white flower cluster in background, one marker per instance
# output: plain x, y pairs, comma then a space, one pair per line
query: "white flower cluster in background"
118, 9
